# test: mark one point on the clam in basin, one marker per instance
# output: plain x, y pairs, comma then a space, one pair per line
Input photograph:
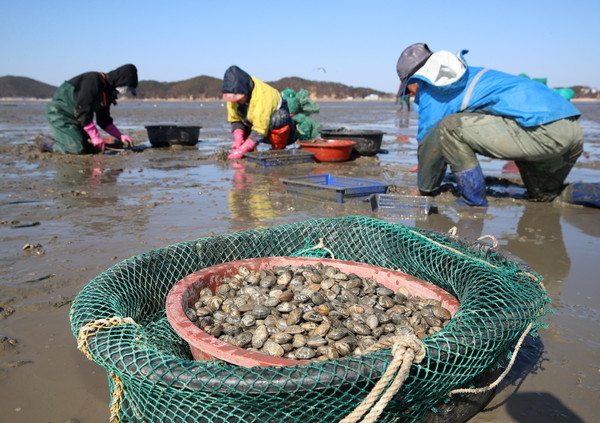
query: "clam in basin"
185, 293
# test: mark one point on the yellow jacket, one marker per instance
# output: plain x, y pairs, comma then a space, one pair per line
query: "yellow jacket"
263, 102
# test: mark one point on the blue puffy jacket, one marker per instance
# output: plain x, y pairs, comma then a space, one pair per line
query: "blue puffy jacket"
528, 102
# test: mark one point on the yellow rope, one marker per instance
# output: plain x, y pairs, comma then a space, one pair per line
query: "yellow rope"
406, 351
82, 344
91, 328
117, 397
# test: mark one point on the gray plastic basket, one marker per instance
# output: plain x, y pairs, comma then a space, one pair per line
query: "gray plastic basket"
401, 206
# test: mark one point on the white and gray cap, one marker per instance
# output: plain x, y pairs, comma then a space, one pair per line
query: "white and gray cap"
411, 59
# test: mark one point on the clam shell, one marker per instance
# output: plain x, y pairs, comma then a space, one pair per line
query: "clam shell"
284, 279
299, 341
305, 353
272, 348
248, 320
441, 313
316, 341
259, 337
281, 337
294, 317
295, 329
243, 339
261, 312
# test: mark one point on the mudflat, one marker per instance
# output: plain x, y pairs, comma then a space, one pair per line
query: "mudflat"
66, 219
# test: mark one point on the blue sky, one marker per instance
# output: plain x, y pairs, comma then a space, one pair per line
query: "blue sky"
356, 43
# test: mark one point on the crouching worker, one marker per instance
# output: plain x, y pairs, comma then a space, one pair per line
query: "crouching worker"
77, 101
465, 110
257, 113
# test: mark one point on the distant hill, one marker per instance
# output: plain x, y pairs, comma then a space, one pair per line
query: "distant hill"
198, 88
585, 92
327, 90
21, 87
209, 88
206, 87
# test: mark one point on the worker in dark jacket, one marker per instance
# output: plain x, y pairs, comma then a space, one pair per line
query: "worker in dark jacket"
256, 111
77, 102
465, 110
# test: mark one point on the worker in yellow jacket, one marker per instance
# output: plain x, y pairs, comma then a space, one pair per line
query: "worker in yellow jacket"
257, 113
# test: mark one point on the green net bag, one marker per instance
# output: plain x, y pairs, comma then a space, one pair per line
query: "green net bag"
120, 322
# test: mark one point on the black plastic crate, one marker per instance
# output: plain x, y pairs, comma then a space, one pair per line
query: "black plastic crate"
280, 157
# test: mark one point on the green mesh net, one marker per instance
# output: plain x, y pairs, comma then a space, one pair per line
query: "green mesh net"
298, 102
300, 107
120, 321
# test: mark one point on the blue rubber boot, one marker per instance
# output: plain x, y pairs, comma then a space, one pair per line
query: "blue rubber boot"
471, 186
582, 193
44, 143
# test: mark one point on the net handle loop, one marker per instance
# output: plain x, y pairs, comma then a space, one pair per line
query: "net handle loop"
453, 231
504, 373
91, 329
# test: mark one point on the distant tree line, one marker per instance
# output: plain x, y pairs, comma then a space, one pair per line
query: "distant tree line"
208, 88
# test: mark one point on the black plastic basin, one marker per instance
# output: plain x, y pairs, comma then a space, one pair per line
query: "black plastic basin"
167, 135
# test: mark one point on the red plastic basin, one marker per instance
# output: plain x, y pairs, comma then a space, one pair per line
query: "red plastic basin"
329, 150
206, 347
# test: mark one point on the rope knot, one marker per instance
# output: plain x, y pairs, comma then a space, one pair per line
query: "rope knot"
319, 246
406, 350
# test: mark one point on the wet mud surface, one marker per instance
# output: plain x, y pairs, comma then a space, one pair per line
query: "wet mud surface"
66, 219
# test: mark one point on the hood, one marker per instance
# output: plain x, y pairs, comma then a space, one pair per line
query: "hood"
124, 76
237, 81
442, 69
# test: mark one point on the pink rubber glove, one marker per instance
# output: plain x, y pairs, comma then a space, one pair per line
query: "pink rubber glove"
92, 131
248, 145
238, 139
112, 130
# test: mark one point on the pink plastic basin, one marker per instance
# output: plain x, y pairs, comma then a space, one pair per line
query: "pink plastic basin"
185, 293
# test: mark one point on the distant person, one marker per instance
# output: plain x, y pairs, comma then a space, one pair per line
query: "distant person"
464, 111
75, 104
403, 98
257, 113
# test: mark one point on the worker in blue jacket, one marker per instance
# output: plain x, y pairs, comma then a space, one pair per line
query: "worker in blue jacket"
465, 111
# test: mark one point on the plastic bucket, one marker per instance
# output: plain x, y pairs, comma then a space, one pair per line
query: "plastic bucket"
329, 150
167, 135
368, 142
203, 346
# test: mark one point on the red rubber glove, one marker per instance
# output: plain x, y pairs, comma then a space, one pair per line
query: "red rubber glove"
95, 137
112, 130
248, 145
238, 139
